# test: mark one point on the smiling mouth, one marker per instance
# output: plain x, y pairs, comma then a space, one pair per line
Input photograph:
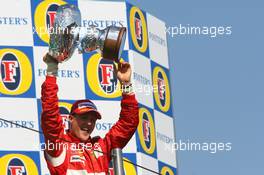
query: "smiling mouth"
85, 129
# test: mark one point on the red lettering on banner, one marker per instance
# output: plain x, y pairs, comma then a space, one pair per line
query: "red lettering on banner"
9, 71
146, 130
65, 122
107, 74
16, 170
138, 28
161, 88
51, 18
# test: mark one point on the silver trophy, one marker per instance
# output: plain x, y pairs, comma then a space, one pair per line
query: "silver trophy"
67, 35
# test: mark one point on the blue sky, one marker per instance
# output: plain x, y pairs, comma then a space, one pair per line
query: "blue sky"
217, 83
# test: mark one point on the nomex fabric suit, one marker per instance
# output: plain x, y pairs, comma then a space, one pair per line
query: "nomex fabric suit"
66, 159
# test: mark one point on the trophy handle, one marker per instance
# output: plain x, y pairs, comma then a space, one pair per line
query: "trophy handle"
114, 43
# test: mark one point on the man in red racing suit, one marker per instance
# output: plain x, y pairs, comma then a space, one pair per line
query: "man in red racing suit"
76, 153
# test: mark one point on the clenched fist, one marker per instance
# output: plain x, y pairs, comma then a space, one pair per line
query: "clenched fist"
123, 73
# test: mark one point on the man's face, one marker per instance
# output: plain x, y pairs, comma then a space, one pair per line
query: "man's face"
83, 125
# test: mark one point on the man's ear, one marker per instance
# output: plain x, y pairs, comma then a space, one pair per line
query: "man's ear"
70, 118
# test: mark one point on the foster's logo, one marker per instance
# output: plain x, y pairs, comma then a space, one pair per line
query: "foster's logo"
101, 78
17, 164
162, 89
16, 167
10, 71
16, 72
146, 131
65, 109
138, 29
106, 75
44, 16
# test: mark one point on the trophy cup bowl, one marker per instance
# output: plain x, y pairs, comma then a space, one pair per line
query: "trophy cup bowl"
64, 35
68, 35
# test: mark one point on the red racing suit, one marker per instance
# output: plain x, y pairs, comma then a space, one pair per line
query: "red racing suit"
66, 159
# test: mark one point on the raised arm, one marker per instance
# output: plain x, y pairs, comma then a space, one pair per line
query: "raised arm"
123, 130
51, 121
125, 127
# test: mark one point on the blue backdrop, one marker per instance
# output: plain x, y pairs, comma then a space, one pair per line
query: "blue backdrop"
217, 83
